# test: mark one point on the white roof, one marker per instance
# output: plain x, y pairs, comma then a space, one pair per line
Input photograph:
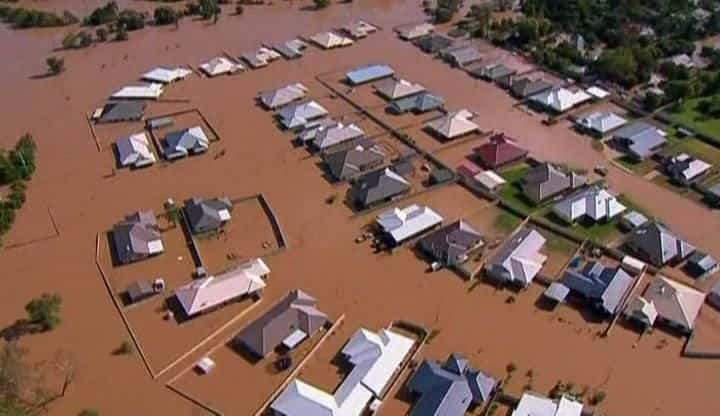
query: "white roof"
393, 89
535, 405
695, 167
414, 31
329, 136
404, 223
594, 202
166, 75
206, 364
524, 261
203, 294
328, 40
602, 121
147, 91
375, 358
597, 92
186, 141
295, 338
675, 301
220, 65
135, 151
489, 179
359, 28
560, 99
300, 114
284, 95
454, 124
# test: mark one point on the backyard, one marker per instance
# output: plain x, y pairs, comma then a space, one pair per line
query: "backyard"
687, 113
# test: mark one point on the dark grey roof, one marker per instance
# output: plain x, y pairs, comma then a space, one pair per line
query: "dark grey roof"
132, 236
450, 388
349, 163
656, 244
702, 261
204, 214
603, 286
420, 103
463, 55
122, 111
378, 186
451, 243
137, 291
296, 311
546, 180
492, 71
433, 43
526, 87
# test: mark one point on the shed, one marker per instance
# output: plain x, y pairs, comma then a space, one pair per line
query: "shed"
438, 176
205, 365
556, 292
138, 291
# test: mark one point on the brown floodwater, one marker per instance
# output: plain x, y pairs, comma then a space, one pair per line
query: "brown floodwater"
72, 182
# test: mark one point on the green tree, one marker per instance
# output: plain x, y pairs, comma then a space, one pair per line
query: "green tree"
101, 34
209, 9
45, 311
102, 15
131, 20
89, 412
121, 34
55, 65
165, 16
321, 4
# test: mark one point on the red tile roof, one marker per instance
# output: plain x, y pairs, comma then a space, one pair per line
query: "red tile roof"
499, 151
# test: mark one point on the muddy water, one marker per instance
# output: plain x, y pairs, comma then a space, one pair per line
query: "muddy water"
323, 259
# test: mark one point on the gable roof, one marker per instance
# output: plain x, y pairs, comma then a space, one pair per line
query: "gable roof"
674, 301
365, 74
519, 260
449, 388
219, 65
291, 49
493, 71
546, 180
422, 102
401, 224
453, 124
685, 168
328, 40
166, 75
300, 114
327, 137
593, 202
560, 99
414, 31
532, 404
279, 97
122, 111
658, 245
137, 237
135, 151
525, 87
499, 151
186, 141
463, 55
139, 92
601, 121
207, 214
260, 57
602, 285
642, 138
209, 292
297, 311
452, 242
433, 43
348, 163
359, 29
378, 185
392, 89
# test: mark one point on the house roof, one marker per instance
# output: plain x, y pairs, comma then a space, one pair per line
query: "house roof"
601, 121
260, 57
593, 202
365, 74
351, 162
546, 179
142, 92
379, 185
532, 404
300, 114
525, 87
489, 179
136, 237
291, 49
519, 259
702, 261
135, 151
634, 219
603, 285
166, 75
205, 214
122, 111
674, 301
491, 71
658, 244
560, 99
415, 30
422, 102
463, 55
686, 167
327, 137
392, 89
183, 142
452, 241
499, 151
297, 311
453, 124
556, 291
449, 388
597, 92
359, 29
433, 43
643, 138
328, 40
284, 95
219, 65
374, 356
401, 224
209, 292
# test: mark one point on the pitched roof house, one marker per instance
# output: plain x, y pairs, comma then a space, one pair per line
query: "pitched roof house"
330, 40
291, 49
593, 203
151, 91
519, 260
348, 164
656, 244
203, 295
532, 404
285, 95
669, 302
185, 142
375, 357
166, 75
393, 89
462, 56
331, 136
414, 31
220, 65
685, 169
298, 115
137, 237
560, 99
492, 72
600, 123
433, 43
134, 151
359, 29
453, 125
260, 57
640, 139
295, 317
525, 87
499, 151
420, 103
451, 245
547, 180
369, 73
205, 215
400, 225
118, 111
604, 287
449, 388
377, 186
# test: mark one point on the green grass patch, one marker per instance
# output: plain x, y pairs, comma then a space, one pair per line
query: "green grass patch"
506, 222
687, 113
597, 231
632, 205
512, 193
640, 167
559, 244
